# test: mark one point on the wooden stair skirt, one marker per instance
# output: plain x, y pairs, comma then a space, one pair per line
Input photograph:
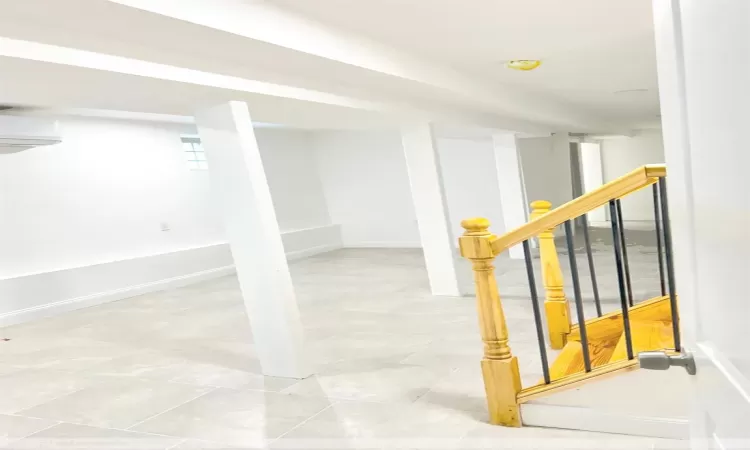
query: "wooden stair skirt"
651, 329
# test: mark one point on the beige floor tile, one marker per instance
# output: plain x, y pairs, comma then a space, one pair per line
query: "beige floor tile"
370, 382
71, 437
13, 428
484, 435
61, 353
462, 390
344, 421
116, 403
195, 444
27, 388
236, 417
169, 365
407, 362
356, 424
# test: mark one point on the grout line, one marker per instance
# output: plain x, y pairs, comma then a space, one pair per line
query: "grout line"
303, 422
178, 443
34, 433
19, 413
119, 429
170, 409
181, 440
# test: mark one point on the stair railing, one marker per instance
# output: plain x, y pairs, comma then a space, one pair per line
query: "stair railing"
556, 305
500, 368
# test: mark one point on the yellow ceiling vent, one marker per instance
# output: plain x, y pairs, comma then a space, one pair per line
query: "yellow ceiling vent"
523, 64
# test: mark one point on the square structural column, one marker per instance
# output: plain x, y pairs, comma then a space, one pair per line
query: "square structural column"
239, 185
428, 192
593, 178
512, 190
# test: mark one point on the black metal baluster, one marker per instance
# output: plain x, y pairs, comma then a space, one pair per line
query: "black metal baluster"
621, 278
592, 271
657, 221
670, 263
624, 252
537, 313
579, 300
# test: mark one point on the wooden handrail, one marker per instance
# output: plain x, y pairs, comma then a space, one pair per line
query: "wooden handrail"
633, 181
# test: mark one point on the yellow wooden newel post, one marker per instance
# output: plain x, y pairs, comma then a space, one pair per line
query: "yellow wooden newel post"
502, 380
555, 305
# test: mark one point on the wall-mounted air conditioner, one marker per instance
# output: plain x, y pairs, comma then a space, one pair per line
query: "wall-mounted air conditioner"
18, 133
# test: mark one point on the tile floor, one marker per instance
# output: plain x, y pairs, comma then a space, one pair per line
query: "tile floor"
395, 367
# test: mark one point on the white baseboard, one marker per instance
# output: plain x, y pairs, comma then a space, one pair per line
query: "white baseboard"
306, 253
627, 224
38, 295
311, 241
383, 244
51, 309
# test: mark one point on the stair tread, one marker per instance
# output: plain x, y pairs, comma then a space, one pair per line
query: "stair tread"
609, 326
570, 359
646, 335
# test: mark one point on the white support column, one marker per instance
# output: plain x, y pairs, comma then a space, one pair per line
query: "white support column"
561, 152
239, 185
512, 191
428, 193
593, 177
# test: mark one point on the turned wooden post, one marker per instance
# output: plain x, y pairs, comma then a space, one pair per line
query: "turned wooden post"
502, 380
555, 304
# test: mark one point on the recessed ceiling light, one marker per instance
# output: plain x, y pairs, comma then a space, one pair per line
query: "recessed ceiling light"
630, 91
523, 64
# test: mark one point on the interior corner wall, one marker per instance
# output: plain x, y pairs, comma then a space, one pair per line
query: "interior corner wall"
366, 184
546, 170
113, 211
296, 188
620, 156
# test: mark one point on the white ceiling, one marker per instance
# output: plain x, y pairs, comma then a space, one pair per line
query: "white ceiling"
590, 49
446, 61
62, 87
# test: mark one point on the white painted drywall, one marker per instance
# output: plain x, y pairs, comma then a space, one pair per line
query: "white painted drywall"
239, 186
295, 185
428, 195
593, 177
100, 198
471, 182
546, 169
367, 185
509, 177
101, 195
620, 156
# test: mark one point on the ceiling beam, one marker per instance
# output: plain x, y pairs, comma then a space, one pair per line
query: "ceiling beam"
265, 22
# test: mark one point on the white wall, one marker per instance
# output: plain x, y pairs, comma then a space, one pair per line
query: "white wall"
367, 185
593, 177
546, 169
101, 196
471, 183
84, 217
296, 188
620, 156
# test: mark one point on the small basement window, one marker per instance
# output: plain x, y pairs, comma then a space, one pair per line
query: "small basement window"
194, 154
